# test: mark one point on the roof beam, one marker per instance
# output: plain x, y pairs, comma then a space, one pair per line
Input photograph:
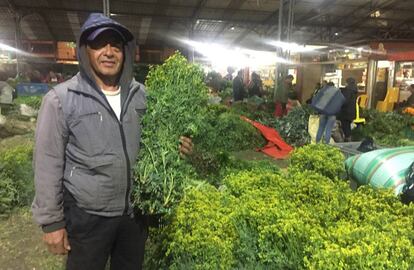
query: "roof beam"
146, 23
387, 5
47, 24
361, 7
197, 9
234, 4
322, 10
267, 21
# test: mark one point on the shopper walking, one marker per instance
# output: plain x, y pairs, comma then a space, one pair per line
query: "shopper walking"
87, 140
348, 110
327, 102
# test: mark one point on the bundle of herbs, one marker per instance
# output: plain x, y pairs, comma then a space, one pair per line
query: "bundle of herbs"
386, 128
177, 99
223, 132
293, 127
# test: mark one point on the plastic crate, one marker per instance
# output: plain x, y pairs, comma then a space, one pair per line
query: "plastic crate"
32, 89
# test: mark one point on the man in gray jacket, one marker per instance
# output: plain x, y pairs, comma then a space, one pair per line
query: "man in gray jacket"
87, 140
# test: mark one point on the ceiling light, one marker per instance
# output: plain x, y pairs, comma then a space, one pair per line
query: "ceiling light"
293, 47
375, 14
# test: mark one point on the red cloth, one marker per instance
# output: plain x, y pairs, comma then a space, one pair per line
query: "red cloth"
276, 146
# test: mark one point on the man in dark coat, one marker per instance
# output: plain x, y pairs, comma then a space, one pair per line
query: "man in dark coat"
348, 110
255, 87
87, 140
238, 87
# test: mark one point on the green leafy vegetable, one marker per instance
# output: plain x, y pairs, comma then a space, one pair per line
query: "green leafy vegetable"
177, 98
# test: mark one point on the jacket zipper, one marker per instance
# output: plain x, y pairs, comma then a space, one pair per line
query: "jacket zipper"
121, 130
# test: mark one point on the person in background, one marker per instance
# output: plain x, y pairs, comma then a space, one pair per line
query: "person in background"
87, 140
51, 77
318, 86
229, 75
410, 100
281, 96
327, 121
255, 87
36, 77
59, 77
238, 87
348, 109
293, 101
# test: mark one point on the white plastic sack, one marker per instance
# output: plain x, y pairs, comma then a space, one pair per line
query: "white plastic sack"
313, 125
27, 110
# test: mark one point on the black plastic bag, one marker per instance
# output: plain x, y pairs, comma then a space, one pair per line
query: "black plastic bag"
367, 145
407, 195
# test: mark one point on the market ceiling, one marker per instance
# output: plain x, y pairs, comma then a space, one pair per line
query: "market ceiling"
242, 23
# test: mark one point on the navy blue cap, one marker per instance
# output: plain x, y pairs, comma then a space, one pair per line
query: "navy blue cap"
100, 30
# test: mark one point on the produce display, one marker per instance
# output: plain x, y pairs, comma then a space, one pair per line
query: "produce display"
386, 128
16, 177
264, 219
223, 132
320, 158
293, 127
176, 101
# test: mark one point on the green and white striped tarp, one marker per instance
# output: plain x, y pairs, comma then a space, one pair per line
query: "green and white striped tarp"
383, 168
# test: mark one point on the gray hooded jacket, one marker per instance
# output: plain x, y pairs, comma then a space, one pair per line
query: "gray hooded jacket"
81, 144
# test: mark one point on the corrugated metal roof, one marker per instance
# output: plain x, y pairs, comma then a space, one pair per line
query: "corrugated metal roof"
241, 22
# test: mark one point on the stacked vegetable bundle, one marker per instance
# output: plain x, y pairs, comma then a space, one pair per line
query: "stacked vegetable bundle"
223, 132
177, 99
262, 219
16, 177
387, 128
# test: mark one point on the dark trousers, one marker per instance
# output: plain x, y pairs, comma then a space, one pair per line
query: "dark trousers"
346, 128
93, 239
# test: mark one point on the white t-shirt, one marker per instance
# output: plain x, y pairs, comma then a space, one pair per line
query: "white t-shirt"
114, 99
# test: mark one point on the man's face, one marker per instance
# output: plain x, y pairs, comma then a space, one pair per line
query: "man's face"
106, 54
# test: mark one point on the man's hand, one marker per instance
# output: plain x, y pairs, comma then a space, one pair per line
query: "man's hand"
57, 242
186, 146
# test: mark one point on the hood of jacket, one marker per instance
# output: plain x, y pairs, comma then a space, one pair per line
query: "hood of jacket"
98, 20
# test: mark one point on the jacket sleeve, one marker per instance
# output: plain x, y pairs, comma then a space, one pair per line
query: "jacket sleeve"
49, 160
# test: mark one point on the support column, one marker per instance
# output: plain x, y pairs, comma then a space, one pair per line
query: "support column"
191, 37
278, 50
18, 39
372, 71
106, 8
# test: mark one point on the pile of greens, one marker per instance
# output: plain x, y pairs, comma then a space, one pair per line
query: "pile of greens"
293, 127
177, 100
223, 132
16, 177
386, 128
32, 101
262, 219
